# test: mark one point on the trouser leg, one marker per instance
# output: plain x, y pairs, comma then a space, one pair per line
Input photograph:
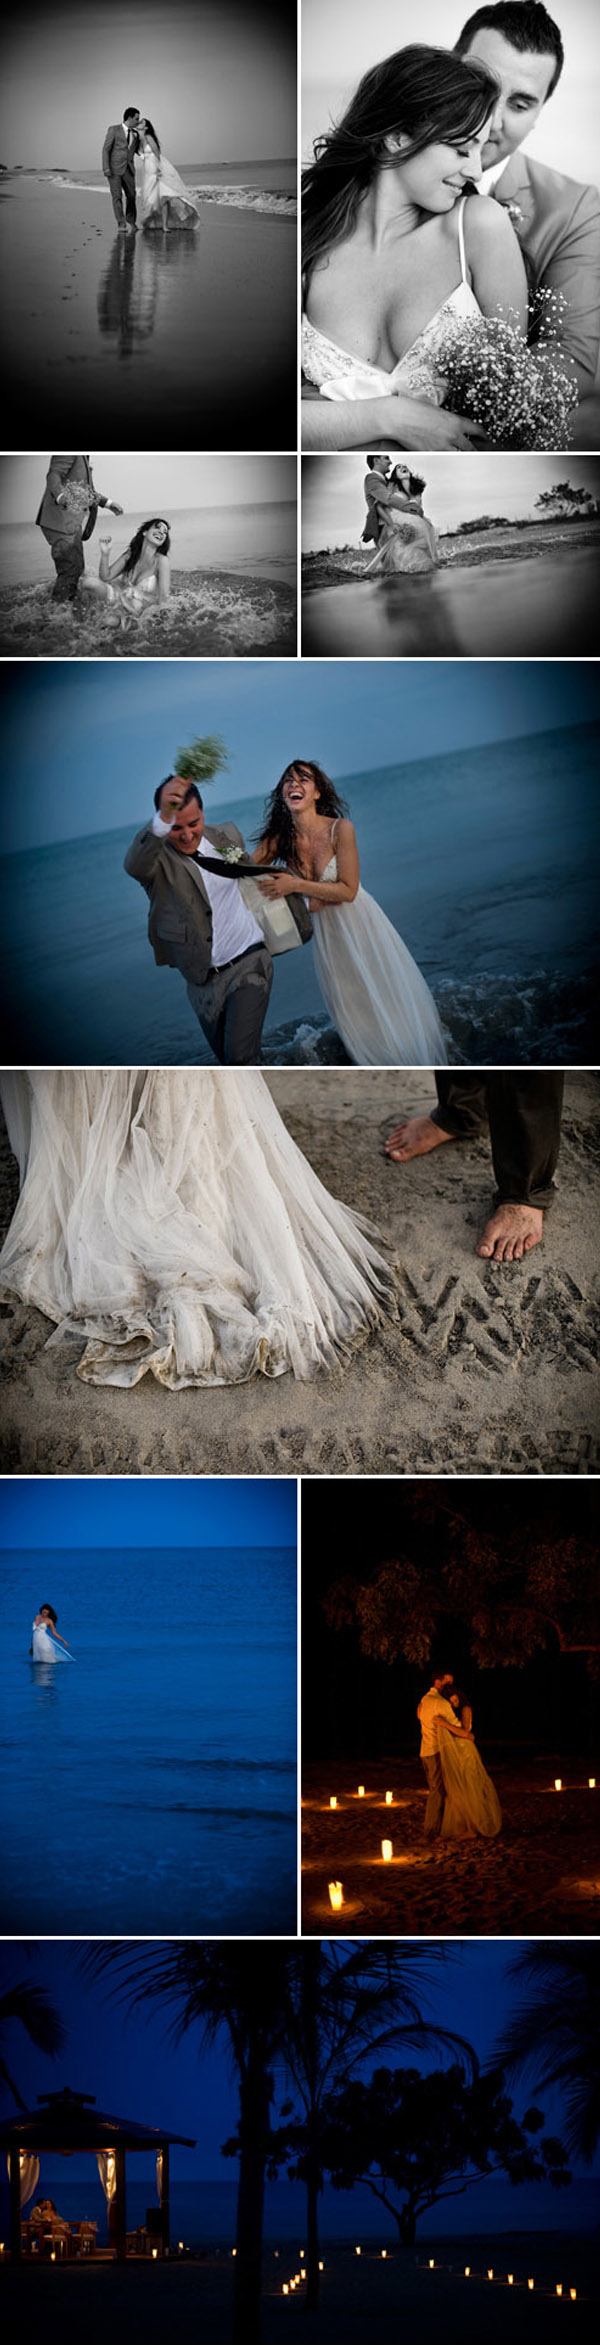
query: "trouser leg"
129, 194
245, 1012
434, 1807
462, 1103
525, 1113
68, 558
117, 192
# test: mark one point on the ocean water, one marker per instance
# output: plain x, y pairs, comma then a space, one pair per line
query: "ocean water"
150, 1786
252, 538
486, 860
203, 2212
541, 607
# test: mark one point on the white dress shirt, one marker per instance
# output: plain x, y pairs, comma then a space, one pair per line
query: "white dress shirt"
234, 928
430, 1711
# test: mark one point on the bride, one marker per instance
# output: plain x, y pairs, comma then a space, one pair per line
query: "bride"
471, 1805
168, 1220
407, 539
375, 995
397, 244
162, 198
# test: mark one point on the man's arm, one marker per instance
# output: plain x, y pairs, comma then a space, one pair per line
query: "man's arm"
58, 473
107, 151
574, 273
143, 855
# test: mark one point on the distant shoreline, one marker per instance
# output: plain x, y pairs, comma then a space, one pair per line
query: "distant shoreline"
329, 566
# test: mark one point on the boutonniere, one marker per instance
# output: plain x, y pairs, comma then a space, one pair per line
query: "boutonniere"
515, 211
232, 856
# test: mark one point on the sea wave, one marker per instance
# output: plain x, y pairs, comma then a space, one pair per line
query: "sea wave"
275, 201
499, 1019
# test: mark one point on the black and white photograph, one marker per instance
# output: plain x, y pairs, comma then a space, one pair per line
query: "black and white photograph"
454, 555
88, 567
433, 320
148, 241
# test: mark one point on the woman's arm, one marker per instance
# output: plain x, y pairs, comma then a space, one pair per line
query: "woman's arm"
495, 259
403, 423
164, 578
338, 892
265, 851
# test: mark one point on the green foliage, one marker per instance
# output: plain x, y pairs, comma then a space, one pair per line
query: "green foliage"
205, 757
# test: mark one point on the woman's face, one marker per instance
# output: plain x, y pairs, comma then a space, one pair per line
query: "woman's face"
454, 1700
157, 533
434, 179
299, 790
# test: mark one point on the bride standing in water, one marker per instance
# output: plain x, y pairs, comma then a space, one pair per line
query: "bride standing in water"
377, 998
47, 1644
167, 1219
162, 198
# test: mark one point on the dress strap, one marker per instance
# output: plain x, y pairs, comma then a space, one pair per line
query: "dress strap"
461, 240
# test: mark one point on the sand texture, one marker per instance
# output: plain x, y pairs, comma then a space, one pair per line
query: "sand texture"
485, 1368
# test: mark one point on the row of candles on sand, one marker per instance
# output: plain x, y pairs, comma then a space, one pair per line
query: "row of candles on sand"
556, 2291
559, 1788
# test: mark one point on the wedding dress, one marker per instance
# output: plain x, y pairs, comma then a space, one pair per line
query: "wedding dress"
45, 1648
157, 182
167, 1218
375, 994
471, 1805
339, 376
408, 544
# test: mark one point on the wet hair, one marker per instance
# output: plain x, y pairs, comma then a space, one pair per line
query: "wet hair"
525, 23
278, 827
428, 94
191, 793
129, 113
151, 132
415, 484
47, 1609
135, 547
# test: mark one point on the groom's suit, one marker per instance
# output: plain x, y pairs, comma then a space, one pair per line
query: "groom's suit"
229, 1000
118, 164
557, 222
64, 528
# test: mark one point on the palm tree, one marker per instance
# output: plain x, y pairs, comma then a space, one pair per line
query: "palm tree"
555, 2033
27, 2004
346, 2002
237, 1990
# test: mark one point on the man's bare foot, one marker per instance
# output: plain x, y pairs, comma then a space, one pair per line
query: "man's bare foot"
510, 1234
414, 1138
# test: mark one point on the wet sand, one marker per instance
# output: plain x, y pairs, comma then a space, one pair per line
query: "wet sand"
511, 594
212, 612
189, 333
540, 1875
484, 1369
370, 2299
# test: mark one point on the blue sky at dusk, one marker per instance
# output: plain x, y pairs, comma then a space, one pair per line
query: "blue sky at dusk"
155, 1512
86, 745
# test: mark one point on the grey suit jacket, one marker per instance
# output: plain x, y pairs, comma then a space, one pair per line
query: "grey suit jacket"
557, 222
180, 920
57, 521
117, 155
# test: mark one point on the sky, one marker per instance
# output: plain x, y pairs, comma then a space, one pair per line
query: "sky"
114, 1512
136, 479
85, 746
341, 38
458, 489
217, 79
127, 2063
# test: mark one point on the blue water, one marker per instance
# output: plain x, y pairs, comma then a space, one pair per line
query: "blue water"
486, 860
150, 1787
203, 2209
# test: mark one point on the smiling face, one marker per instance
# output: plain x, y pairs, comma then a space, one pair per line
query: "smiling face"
524, 83
157, 533
186, 832
435, 178
300, 790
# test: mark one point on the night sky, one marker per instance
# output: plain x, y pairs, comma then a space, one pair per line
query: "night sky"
155, 1512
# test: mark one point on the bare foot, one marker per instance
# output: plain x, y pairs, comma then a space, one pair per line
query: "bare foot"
414, 1138
510, 1234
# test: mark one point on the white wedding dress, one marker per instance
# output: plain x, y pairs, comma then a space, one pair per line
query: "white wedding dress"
157, 182
471, 1805
167, 1219
376, 996
339, 376
46, 1649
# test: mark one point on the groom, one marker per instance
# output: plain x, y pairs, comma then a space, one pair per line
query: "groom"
198, 922
523, 1111
118, 164
433, 1708
556, 220
375, 494
67, 520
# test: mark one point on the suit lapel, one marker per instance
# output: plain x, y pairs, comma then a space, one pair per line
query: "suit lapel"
514, 192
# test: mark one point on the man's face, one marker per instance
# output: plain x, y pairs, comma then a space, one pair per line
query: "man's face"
524, 84
187, 829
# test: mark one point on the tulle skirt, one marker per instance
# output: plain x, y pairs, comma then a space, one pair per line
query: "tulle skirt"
376, 996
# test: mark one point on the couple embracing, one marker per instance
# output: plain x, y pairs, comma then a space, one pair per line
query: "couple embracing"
219, 915
145, 189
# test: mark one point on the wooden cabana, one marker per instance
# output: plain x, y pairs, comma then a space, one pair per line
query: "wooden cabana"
69, 2123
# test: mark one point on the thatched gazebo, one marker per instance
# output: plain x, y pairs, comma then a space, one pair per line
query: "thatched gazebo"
69, 2123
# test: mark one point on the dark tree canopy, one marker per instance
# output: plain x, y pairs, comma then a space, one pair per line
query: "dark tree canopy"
418, 2139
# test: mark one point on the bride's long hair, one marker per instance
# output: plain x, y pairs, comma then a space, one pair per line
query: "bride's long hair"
427, 94
151, 133
278, 829
412, 486
135, 546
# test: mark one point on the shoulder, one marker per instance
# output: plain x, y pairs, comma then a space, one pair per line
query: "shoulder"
487, 227
344, 828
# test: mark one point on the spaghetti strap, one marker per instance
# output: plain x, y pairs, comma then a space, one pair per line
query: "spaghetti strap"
461, 240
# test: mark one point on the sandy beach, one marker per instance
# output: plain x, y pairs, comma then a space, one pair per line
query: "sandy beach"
484, 1369
540, 1875
370, 2299
190, 333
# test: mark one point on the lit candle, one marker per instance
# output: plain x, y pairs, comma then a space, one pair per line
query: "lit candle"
286, 2290
292, 2286
591, 1783
530, 2283
384, 2254
321, 2265
358, 2249
389, 1800
52, 2257
558, 1785
559, 2290
490, 2274
510, 2278
467, 2270
234, 2254
572, 2293
361, 1790
387, 1850
155, 2253
432, 2262
336, 1895
333, 1801
180, 2245
303, 2274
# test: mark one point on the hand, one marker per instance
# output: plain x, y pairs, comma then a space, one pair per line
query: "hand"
429, 427
280, 884
172, 797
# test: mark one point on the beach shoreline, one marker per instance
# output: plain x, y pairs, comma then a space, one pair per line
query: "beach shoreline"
328, 566
210, 611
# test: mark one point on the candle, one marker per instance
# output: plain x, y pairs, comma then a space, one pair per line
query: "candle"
591, 1783
336, 1895
467, 2270
303, 2274
321, 2265
155, 2253
510, 2278
387, 1849
333, 1801
361, 1790
292, 2286
52, 2257
559, 2290
530, 2283
389, 1800
358, 2249
572, 2293
558, 1785
490, 2274
286, 2290
432, 2262
180, 2245
384, 2254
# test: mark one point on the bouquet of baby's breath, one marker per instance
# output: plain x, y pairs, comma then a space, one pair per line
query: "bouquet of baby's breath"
206, 757
522, 398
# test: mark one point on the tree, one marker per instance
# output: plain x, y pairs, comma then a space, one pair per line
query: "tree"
554, 2035
28, 2005
416, 2140
518, 1585
206, 757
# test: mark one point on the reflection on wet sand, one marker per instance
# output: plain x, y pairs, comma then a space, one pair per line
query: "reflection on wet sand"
128, 291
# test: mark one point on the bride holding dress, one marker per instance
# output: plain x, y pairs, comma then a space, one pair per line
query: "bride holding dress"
167, 1218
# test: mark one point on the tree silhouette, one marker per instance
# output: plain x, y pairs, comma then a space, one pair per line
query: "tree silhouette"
416, 2140
554, 2036
29, 2006
517, 1587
